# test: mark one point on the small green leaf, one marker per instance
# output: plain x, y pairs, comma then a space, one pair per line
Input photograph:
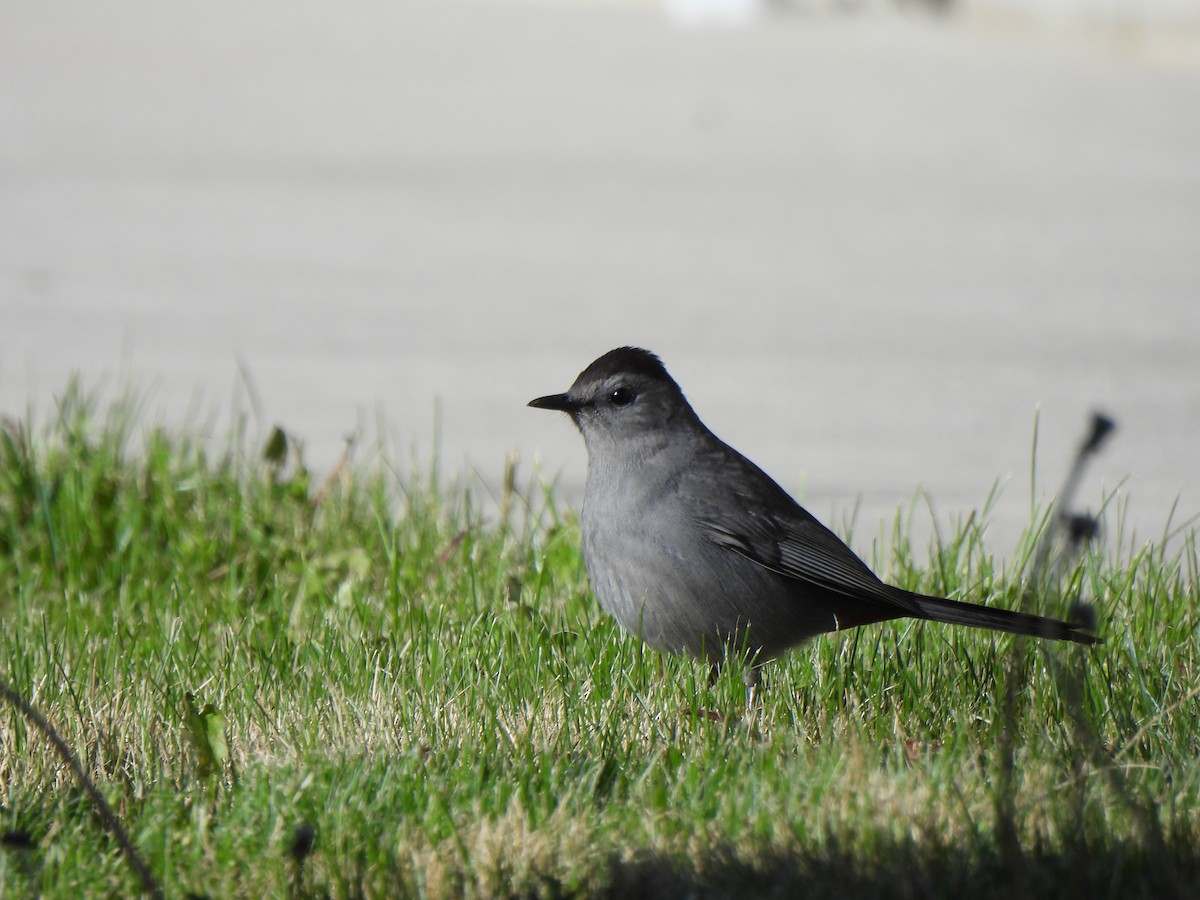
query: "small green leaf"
206, 734
275, 452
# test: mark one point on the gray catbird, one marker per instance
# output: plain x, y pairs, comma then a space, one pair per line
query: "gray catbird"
694, 548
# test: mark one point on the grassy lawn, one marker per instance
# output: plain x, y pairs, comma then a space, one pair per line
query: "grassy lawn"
384, 683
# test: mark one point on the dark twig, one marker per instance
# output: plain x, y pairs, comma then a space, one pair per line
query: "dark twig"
1080, 528
149, 883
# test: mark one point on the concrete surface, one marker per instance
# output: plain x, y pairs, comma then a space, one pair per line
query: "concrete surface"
870, 248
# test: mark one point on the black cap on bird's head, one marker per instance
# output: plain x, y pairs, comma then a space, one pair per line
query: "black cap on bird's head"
628, 361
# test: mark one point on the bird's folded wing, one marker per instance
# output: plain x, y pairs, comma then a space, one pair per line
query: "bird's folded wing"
800, 548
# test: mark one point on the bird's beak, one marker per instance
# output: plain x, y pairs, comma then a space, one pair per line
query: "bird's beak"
561, 402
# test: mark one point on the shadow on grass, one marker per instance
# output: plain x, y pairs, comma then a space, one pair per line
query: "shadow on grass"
914, 870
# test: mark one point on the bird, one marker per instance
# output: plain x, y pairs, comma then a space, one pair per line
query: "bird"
696, 550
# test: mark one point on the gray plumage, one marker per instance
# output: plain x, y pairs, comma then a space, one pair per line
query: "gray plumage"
694, 548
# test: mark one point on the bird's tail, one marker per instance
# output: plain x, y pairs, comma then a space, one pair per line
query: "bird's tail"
959, 613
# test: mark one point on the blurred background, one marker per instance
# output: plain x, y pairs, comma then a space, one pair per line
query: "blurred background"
875, 242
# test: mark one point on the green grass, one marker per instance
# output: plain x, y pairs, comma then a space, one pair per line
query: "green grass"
419, 673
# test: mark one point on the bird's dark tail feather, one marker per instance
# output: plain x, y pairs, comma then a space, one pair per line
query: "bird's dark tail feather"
958, 613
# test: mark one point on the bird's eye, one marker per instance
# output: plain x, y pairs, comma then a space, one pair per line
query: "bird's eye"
621, 396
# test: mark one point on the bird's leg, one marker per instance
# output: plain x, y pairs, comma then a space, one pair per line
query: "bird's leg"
753, 679
714, 672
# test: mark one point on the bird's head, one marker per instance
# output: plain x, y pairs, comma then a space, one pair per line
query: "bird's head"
624, 398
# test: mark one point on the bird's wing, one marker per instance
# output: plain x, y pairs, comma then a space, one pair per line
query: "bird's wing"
748, 513
799, 547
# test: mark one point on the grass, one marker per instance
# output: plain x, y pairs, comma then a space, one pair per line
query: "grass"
371, 687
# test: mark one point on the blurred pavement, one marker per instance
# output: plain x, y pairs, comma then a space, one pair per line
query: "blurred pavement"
869, 247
